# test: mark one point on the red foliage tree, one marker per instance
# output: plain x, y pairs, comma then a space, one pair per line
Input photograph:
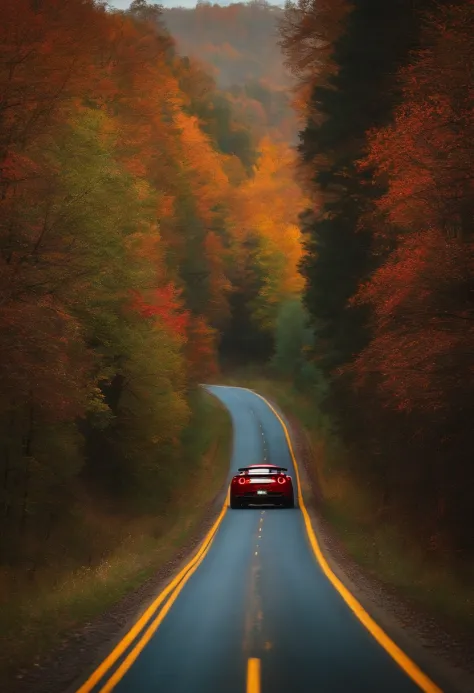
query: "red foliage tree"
201, 354
422, 297
164, 304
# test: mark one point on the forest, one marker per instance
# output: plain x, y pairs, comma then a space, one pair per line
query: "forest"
387, 157
184, 192
137, 244
238, 45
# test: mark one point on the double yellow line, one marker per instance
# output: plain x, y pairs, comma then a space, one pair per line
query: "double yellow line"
253, 671
173, 589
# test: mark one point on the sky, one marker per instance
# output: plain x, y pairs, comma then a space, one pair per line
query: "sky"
124, 4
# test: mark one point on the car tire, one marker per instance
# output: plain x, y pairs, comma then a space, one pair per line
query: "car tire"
235, 504
290, 503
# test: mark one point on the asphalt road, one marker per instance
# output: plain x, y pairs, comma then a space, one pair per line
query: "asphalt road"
259, 593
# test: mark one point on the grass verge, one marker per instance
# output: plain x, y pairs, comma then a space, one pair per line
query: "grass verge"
384, 549
36, 617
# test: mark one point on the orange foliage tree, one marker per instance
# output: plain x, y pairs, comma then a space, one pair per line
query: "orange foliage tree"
265, 208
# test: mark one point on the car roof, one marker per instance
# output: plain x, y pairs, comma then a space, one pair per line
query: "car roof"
262, 464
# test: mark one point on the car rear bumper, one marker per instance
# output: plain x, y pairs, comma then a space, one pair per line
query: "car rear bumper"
270, 498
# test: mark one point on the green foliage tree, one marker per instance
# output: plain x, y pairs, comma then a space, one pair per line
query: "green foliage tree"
265, 306
217, 115
293, 338
244, 340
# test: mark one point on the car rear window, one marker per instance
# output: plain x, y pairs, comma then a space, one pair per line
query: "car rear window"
262, 470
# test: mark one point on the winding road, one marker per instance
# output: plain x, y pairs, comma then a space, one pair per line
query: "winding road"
255, 612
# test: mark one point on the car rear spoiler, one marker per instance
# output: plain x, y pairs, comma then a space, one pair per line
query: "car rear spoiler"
273, 469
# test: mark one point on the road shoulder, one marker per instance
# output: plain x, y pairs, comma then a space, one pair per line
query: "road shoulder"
445, 656
81, 650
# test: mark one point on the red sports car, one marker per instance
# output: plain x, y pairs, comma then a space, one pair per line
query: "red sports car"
261, 484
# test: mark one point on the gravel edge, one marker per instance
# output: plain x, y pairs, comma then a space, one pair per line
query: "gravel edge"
70, 663
443, 653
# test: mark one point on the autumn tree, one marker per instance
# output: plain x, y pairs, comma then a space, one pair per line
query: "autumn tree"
426, 156
99, 351
143, 227
388, 257
262, 209
420, 359
358, 94
238, 45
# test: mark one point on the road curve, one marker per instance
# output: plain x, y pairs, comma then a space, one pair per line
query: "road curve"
257, 596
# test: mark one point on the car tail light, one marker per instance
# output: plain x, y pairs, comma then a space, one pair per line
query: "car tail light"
281, 480
242, 480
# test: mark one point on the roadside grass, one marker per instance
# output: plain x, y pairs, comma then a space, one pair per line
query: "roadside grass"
34, 617
383, 549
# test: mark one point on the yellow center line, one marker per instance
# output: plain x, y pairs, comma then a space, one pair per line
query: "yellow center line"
253, 666
253, 675
408, 665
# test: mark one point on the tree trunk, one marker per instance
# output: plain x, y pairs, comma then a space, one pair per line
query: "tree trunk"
27, 449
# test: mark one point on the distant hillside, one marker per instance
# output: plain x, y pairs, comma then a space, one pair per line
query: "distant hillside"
239, 45
238, 40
